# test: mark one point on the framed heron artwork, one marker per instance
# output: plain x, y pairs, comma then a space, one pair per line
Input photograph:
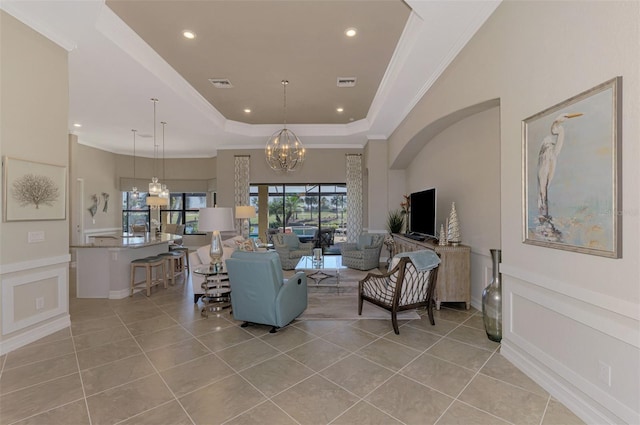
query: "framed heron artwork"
572, 172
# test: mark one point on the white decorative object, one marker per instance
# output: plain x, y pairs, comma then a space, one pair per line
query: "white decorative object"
453, 229
443, 236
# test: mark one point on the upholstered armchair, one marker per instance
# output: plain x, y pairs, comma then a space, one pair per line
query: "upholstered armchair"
408, 285
259, 292
290, 249
365, 254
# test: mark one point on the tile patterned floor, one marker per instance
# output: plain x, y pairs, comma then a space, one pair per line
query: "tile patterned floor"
157, 361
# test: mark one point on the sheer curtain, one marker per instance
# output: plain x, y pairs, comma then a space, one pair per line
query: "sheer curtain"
241, 183
354, 197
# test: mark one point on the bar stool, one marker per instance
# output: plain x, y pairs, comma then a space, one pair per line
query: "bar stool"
186, 254
175, 264
151, 279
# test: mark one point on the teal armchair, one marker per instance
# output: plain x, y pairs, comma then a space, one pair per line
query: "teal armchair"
260, 294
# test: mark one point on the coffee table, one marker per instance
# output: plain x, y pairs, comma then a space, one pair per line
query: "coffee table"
217, 293
318, 270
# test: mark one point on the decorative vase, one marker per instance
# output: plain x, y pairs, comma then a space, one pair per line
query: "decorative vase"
492, 300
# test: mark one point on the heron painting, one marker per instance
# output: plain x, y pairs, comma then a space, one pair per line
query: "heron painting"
571, 173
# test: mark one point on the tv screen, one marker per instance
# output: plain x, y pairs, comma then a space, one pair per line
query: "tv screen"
423, 212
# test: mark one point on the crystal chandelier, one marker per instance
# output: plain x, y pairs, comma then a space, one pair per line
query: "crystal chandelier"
154, 186
284, 151
134, 190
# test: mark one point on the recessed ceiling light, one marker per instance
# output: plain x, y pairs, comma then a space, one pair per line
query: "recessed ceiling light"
77, 125
247, 110
350, 32
340, 109
189, 34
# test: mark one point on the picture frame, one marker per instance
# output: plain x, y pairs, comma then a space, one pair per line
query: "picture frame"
572, 173
33, 190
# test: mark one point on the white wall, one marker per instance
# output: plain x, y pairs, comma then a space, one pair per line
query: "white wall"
33, 126
564, 312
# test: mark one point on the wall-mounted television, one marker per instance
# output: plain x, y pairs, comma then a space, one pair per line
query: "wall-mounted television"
422, 216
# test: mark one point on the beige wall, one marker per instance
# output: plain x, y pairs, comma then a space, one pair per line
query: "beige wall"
563, 312
33, 126
463, 163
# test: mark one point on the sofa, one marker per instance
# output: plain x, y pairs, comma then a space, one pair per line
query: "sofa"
201, 257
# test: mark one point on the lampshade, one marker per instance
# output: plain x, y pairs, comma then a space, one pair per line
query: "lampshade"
215, 220
211, 219
245, 211
156, 201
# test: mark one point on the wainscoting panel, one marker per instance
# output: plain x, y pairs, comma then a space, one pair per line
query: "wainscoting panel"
35, 300
567, 343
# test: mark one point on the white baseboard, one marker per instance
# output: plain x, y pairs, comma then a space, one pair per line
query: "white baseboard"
42, 330
578, 402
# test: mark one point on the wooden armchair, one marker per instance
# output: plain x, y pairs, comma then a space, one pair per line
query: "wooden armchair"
405, 287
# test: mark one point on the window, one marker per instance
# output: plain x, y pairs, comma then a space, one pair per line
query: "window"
304, 208
183, 209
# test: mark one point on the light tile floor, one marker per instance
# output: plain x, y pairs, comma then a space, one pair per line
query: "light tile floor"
156, 360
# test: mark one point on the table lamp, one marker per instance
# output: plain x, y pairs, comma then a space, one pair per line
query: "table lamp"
215, 220
244, 213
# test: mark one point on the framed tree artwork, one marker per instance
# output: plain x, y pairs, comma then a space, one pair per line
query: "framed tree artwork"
571, 173
33, 190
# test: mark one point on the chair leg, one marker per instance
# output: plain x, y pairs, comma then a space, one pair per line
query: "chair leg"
430, 312
244, 324
273, 330
394, 321
359, 305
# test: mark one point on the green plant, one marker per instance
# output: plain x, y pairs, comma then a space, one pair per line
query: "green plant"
395, 221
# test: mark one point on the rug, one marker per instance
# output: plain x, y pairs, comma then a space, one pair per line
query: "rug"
328, 301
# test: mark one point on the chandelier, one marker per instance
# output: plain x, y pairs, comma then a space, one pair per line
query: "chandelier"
164, 192
284, 151
156, 199
134, 190
154, 186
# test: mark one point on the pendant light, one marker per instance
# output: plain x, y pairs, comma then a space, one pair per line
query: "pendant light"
164, 192
134, 190
284, 151
154, 186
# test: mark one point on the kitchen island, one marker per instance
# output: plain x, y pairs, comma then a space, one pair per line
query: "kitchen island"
103, 265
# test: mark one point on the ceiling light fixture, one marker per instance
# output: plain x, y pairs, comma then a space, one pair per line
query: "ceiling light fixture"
154, 186
247, 111
134, 190
164, 192
189, 34
350, 32
284, 151
339, 109
77, 125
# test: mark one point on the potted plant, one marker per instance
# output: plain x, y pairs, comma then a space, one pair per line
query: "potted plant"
395, 221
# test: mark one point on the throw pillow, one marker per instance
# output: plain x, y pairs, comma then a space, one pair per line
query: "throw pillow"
233, 242
363, 241
245, 245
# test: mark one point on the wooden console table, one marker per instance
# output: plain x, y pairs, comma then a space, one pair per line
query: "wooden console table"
454, 273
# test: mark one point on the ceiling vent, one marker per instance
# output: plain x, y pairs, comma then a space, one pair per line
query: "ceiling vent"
346, 81
221, 83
